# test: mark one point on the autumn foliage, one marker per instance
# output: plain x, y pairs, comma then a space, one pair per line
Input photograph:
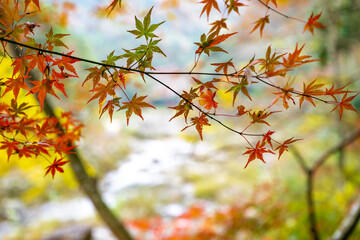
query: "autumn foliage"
37, 135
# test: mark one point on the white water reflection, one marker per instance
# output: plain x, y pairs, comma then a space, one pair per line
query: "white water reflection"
150, 164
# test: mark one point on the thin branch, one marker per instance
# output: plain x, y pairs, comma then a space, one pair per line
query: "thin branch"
202, 111
149, 74
294, 92
349, 222
152, 72
335, 148
112, 66
281, 14
299, 158
309, 192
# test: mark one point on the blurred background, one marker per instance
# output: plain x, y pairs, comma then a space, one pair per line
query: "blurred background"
161, 181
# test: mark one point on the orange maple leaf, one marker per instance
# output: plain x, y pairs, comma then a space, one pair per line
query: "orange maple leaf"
10, 147
36, 2
56, 166
199, 122
345, 104
311, 90
209, 4
294, 59
207, 99
134, 106
313, 23
42, 88
284, 146
257, 152
261, 24
113, 5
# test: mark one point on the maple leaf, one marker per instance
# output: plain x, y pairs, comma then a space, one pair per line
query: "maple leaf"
257, 152
29, 28
199, 122
234, 5
184, 107
285, 94
134, 106
224, 66
144, 28
42, 88
294, 59
40, 147
10, 147
56, 166
208, 84
217, 26
36, 2
313, 23
20, 65
209, 4
259, 116
110, 107
345, 104
18, 110
267, 138
24, 126
207, 99
48, 127
95, 75
261, 24
113, 5
25, 151
102, 91
270, 62
310, 90
284, 146
332, 91
239, 87
55, 39
209, 43
15, 84
241, 110
66, 63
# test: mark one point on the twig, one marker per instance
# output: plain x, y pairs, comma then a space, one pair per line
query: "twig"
335, 148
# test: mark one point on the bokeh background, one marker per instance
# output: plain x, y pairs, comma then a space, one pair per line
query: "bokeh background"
160, 180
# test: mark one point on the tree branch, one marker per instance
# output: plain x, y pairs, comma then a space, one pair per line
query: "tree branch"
87, 184
311, 205
320, 161
309, 193
349, 222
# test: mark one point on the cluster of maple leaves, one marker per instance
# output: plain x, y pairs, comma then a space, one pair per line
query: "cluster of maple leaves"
32, 137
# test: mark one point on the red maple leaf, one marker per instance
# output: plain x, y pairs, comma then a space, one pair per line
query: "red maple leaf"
313, 23
56, 166
42, 88
134, 106
10, 147
257, 152
284, 146
345, 104
199, 122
